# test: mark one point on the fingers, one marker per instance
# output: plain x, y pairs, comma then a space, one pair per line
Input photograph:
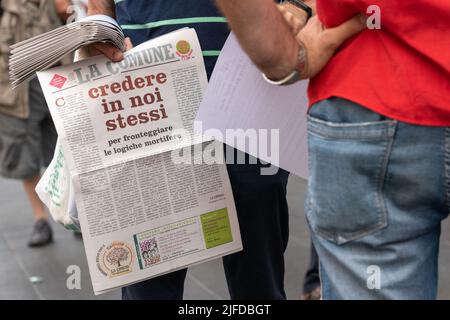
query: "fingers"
346, 30
295, 20
312, 30
107, 49
363, 19
295, 11
110, 51
312, 5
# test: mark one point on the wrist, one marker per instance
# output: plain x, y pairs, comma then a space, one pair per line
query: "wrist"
288, 75
285, 63
105, 7
278, 73
105, 12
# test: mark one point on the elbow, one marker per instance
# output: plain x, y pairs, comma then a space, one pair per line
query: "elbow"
275, 63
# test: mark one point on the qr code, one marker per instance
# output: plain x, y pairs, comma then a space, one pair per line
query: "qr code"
149, 252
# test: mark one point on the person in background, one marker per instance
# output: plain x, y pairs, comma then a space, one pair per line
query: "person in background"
379, 138
27, 133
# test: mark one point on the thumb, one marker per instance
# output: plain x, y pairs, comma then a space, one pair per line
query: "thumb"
128, 44
109, 50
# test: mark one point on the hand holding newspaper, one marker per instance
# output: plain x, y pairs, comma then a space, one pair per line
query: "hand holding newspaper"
123, 127
43, 51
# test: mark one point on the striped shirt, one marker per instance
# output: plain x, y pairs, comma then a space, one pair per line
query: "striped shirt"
142, 20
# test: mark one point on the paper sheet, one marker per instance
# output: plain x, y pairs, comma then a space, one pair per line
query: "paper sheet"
238, 97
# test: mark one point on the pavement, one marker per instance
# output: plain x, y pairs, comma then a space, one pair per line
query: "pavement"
49, 265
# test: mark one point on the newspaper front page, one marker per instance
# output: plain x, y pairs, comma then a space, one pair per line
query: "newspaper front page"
142, 214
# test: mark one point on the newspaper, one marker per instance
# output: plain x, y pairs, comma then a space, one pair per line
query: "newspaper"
142, 214
45, 50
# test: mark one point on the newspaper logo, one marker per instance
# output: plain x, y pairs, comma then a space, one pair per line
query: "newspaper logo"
184, 50
115, 259
148, 252
58, 81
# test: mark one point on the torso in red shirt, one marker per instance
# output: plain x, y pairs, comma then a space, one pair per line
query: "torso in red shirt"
402, 70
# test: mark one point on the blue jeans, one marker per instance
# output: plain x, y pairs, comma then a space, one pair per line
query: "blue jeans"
378, 192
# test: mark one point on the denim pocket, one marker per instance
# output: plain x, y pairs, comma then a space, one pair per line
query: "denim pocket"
348, 163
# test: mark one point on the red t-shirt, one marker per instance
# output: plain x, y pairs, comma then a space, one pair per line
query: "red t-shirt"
401, 71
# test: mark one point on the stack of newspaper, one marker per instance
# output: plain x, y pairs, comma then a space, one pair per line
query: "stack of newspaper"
45, 50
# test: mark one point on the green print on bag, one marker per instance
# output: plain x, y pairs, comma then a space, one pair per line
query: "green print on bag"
56, 184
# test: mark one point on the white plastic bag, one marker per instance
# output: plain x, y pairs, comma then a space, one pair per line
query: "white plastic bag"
55, 190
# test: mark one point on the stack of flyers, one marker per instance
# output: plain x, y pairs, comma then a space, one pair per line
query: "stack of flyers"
44, 51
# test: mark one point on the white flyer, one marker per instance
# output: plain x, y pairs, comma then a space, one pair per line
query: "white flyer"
238, 98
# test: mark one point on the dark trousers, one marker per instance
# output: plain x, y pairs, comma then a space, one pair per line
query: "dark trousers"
258, 271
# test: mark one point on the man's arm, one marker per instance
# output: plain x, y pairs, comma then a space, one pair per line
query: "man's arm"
270, 42
105, 7
263, 34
